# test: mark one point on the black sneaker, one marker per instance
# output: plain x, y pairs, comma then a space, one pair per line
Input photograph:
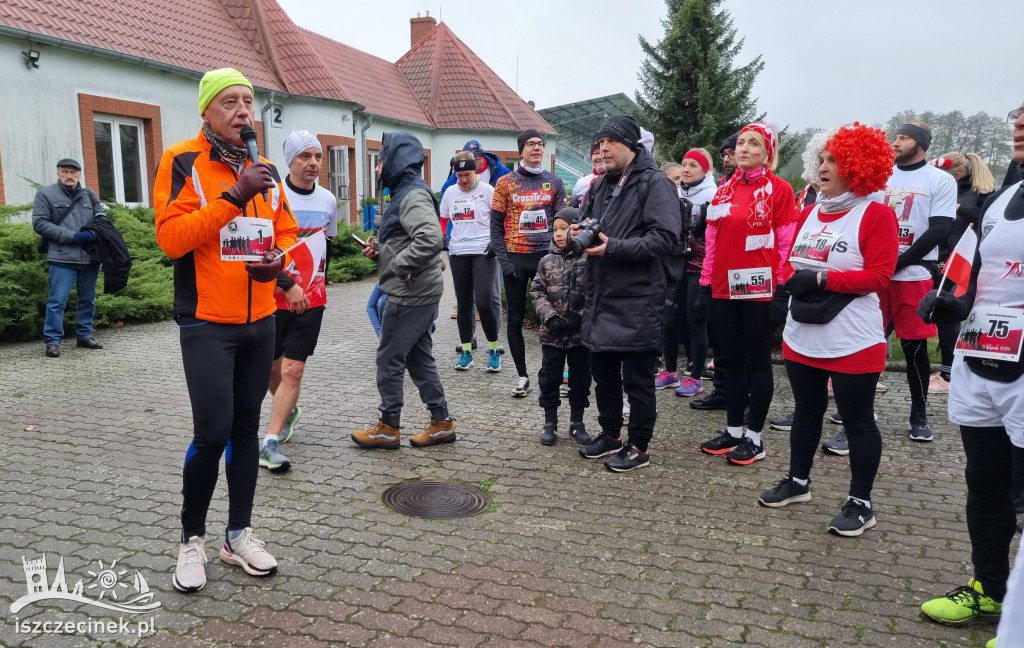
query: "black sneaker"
550, 434
713, 401
853, 519
629, 458
786, 491
835, 419
837, 445
578, 432
602, 446
921, 432
784, 424
746, 452
721, 444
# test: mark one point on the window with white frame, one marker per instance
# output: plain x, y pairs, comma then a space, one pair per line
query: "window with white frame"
337, 171
371, 176
121, 159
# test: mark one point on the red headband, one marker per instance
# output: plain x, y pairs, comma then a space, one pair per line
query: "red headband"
699, 159
765, 131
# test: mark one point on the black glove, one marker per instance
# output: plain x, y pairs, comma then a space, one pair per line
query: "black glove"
556, 325
85, 236
702, 303
779, 307
444, 242
512, 276
490, 253
803, 282
254, 179
573, 323
942, 308
266, 270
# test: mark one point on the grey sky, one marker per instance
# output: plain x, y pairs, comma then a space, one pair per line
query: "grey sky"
827, 62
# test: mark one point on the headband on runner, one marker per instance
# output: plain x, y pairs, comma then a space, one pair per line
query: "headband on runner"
916, 133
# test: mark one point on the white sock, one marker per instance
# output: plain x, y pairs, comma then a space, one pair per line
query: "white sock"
269, 437
865, 503
802, 482
735, 432
754, 436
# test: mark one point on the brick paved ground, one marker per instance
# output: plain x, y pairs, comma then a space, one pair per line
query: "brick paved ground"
677, 554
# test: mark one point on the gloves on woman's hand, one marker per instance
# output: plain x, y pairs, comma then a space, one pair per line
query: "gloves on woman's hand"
942, 308
803, 282
779, 307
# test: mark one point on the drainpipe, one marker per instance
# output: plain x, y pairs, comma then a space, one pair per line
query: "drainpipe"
368, 121
266, 124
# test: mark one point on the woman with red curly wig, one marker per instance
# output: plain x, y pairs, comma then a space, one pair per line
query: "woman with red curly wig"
844, 253
750, 226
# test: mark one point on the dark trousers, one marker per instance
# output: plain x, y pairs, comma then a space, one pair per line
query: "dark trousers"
855, 396
991, 521
671, 321
616, 373
918, 372
515, 296
698, 329
745, 335
227, 370
473, 276
549, 379
405, 343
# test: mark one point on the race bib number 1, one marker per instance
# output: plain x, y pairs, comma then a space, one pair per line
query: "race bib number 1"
992, 332
246, 239
533, 221
750, 283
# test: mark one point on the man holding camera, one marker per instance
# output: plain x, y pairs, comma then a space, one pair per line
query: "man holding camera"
634, 226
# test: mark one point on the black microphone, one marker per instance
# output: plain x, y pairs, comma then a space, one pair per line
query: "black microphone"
248, 134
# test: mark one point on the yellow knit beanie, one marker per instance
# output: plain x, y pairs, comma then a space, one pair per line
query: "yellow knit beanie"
216, 80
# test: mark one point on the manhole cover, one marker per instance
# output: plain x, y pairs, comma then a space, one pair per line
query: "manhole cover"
435, 500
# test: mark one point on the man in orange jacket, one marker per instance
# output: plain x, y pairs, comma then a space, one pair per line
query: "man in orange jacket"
226, 240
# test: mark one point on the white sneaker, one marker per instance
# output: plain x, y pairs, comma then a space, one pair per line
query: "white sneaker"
522, 387
247, 552
190, 575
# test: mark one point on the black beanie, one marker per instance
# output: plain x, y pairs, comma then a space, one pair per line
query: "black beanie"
568, 214
622, 128
596, 144
526, 135
729, 142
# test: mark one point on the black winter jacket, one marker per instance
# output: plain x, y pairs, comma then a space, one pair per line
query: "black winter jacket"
112, 252
558, 291
626, 287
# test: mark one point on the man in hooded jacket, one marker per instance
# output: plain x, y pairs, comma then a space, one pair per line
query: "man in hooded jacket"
637, 207
409, 240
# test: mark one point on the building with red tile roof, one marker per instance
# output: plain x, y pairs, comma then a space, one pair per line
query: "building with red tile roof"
113, 82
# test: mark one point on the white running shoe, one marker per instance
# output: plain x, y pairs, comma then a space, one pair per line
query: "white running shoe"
248, 553
190, 575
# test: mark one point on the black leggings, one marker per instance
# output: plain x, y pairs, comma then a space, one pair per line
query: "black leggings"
948, 333
227, 370
515, 296
743, 331
918, 372
855, 397
473, 275
698, 327
991, 521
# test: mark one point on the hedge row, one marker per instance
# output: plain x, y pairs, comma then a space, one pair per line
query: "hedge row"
150, 292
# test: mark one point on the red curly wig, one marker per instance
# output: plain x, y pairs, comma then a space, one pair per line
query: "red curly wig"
863, 157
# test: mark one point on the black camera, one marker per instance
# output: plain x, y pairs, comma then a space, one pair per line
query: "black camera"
587, 237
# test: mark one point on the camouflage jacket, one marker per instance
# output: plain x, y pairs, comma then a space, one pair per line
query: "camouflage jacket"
557, 291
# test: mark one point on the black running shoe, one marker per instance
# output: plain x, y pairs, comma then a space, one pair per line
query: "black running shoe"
835, 419
785, 423
550, 434
714, 401
837, 445
578, 432
721, 444
602, 446
921, 432
853, 519
628, 458
786, 491
746, 452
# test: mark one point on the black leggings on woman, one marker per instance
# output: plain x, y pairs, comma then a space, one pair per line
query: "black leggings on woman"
515, 296
227, 370
679, 307
855, 397
745, 334
473, 275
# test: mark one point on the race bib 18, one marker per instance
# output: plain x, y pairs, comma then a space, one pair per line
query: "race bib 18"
992, 332
814, 249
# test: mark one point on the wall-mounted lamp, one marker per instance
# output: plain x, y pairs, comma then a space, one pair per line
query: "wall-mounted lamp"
31, 59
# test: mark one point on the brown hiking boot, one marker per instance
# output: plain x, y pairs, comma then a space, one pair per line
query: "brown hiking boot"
379, 436
438, 432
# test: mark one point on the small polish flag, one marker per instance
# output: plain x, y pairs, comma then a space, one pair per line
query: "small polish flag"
958, 267
306, 256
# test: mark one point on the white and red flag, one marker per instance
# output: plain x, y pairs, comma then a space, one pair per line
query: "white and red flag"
307, 257
958, 267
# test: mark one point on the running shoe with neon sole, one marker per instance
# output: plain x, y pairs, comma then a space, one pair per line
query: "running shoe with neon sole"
248, 553
690, 387
272, 458
746, 453
289, 425
493, 361
722, 444
837, 445
465, 361
190, 574
964, 605
667, 380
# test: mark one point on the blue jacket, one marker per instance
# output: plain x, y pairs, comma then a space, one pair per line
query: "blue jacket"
497, 170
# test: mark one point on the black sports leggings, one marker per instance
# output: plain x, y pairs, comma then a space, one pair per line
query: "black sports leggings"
227, 369
473, 275
743, 331
515, 296
918, 373
855, 396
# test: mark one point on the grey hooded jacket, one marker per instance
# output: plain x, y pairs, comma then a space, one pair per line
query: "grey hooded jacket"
51, 203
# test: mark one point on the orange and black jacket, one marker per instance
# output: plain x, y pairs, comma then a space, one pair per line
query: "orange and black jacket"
190, 213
